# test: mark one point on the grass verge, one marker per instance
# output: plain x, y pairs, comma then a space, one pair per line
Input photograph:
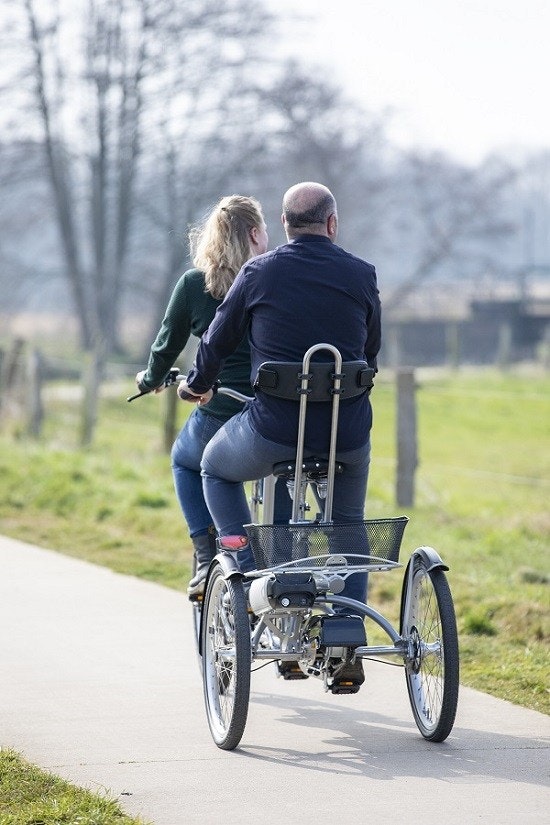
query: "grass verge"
30, 796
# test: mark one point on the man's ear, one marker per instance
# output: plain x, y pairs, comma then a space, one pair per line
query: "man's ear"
332, 225
285, 226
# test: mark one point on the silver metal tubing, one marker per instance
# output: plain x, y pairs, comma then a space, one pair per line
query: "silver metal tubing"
365, 610
276, 655
368, 651
381, 650
238, 396
269, 499
301, 430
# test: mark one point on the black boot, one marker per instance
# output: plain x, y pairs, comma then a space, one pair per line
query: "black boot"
205, 550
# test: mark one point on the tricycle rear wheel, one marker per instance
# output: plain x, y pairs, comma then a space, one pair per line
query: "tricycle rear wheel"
432, 666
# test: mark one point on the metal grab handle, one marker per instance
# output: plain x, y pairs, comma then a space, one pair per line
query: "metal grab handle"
327, 516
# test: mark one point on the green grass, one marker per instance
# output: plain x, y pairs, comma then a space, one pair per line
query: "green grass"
112, 504
482, 490
30, 796
483, 484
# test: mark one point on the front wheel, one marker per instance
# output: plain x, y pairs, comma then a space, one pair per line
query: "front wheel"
428, 625
226, 658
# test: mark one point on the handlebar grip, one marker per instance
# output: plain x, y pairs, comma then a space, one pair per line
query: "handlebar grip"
187, 396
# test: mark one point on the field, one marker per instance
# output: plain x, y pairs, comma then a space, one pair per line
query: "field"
482, 489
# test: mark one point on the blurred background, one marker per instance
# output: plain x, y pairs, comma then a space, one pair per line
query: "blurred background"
123, 121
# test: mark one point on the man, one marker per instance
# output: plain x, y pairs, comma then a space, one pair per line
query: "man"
305, 292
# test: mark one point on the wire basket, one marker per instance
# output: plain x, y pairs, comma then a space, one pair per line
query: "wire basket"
275, 544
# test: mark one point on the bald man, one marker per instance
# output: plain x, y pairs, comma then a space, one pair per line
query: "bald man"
302, 293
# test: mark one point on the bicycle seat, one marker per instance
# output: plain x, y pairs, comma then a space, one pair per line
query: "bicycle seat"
312, 468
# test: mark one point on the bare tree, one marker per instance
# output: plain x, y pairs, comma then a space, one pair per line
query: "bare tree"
315, 133
290, 126
445, 217
108, 79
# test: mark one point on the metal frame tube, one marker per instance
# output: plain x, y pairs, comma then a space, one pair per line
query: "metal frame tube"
327, 515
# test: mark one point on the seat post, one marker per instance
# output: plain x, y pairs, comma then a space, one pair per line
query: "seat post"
327, 516
268, 497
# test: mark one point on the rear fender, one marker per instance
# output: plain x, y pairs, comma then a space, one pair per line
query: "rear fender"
428, 558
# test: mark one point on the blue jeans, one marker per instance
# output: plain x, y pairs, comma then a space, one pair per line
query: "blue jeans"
237, 453
186, 464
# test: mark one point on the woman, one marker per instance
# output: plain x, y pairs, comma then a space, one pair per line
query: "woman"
232, 233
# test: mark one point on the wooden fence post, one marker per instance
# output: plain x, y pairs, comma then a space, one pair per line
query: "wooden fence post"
35, 408
170, 425
407, 453
92, 375
169, 421
12, 383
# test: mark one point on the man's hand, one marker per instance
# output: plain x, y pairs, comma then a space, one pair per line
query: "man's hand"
187, 394
139, 379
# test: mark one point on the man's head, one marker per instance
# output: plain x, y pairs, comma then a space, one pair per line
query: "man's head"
309, 209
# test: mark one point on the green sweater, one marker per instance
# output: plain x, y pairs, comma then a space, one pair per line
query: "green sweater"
189, 312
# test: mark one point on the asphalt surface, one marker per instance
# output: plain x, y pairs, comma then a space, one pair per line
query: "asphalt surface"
100, 684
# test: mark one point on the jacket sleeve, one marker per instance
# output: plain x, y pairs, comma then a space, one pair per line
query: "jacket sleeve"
374, 326
171, 337
222, 337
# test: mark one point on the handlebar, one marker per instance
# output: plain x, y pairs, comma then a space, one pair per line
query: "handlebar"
174, 376
238, 396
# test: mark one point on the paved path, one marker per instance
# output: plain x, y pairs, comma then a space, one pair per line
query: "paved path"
100, 684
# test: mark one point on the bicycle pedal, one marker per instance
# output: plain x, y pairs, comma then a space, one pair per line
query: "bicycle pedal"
291, 671
344, 687
350, 678
196, 597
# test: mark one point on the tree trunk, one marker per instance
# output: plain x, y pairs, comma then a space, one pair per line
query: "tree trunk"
92, 374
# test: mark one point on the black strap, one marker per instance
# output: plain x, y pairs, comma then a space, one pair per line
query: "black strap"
283, 379
311, 468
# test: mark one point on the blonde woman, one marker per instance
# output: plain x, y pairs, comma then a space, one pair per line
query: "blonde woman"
231, 234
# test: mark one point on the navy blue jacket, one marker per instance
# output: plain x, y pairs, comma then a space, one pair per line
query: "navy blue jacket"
306, 292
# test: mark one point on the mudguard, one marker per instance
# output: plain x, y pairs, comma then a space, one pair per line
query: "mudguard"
227, 560
430, 557
431, 560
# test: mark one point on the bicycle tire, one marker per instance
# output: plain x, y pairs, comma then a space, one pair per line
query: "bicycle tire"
226, 658
196, 607
432, 668
196, 620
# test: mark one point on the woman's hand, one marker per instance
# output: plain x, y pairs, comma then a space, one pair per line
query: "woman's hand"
186, 394
139, 380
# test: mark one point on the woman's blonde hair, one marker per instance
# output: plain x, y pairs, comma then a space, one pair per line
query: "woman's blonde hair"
220, 245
